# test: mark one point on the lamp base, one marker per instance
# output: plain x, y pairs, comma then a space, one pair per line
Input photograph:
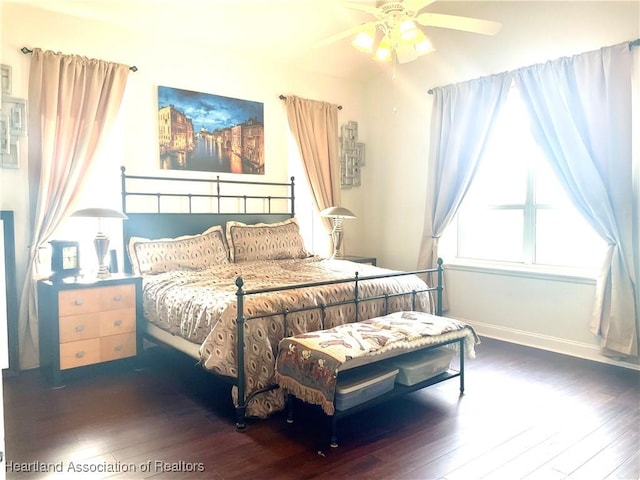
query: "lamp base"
103, 272
336, 237
101, 242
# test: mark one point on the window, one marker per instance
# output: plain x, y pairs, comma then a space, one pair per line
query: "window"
313, 232
515, 210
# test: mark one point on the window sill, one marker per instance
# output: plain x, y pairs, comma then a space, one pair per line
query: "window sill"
558, 274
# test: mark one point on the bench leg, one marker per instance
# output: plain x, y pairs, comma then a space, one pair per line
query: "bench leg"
289, 400
241, 424
462, 366
333, 442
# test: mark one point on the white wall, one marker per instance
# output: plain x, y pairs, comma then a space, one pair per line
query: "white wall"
162, 60
536, 311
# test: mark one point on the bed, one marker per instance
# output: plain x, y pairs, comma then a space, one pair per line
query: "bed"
226, 270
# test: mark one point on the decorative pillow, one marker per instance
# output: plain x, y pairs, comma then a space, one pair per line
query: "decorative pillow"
265, 241
189, 252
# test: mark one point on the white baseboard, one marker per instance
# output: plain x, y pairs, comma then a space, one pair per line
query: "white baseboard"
545, 342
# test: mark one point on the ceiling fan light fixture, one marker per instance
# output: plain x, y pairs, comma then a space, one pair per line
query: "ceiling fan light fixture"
405, 52
383, 52
399, 24
423, 47
408, 31
422, 44
364, 40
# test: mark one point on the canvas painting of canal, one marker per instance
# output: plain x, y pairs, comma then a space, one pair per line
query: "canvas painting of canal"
209, 133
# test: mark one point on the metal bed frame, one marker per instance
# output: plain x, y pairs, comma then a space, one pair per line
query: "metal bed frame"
158, 224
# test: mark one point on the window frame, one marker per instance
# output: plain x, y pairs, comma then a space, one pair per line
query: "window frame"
530, 210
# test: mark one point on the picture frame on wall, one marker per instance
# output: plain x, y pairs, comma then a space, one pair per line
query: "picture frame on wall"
5, 144
16, 110
13, 126
352, 156
5, 79
9, 145
210, 133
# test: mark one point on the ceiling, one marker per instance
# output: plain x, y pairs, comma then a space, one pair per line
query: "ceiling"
285, 31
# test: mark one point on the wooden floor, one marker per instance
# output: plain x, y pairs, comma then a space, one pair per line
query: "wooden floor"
525, 414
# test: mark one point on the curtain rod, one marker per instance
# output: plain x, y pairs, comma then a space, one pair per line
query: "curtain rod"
282, 97
27, 51
633, 43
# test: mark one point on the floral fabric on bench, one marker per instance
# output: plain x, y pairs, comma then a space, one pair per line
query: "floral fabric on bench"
308, 364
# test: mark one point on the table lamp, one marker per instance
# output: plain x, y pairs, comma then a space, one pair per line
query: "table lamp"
337, 214
101, 241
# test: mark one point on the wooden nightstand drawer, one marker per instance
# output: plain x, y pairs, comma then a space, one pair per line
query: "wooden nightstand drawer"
117, 297
79, 327
77, 302
114, 347
117, 321
87, 321
78, 354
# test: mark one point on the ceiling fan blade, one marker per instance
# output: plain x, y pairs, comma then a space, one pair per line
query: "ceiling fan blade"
466, 24
346, 33
365, 8
416, 5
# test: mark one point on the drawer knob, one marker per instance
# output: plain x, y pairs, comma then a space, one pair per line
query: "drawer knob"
117, 323
79, 301
79, 328
117, 298
79, 354
118, 348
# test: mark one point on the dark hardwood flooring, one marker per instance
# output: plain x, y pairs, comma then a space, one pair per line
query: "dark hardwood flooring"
526, 414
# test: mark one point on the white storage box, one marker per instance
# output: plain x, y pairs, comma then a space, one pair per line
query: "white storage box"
421, 365
358, 385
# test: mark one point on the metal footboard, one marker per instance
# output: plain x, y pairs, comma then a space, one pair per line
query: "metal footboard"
241, 293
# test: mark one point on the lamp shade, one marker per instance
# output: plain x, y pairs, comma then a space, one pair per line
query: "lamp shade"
337, 212
99, 213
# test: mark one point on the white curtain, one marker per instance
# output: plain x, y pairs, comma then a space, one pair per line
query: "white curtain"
635, 153
73, 101
461, 120
581, 115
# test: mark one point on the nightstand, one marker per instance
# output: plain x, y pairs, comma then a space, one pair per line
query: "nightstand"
357, 259
87, 321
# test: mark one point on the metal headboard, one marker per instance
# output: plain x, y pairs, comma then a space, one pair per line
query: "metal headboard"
154, 221
218, 196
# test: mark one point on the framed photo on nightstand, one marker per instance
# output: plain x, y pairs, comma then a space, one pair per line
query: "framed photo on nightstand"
65, 259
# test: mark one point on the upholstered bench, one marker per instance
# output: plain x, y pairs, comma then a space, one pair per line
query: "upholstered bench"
333, 368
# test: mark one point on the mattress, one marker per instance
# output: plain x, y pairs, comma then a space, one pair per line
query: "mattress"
362, 384
421, 365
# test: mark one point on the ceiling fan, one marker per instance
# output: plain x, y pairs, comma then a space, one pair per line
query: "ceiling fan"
395, 35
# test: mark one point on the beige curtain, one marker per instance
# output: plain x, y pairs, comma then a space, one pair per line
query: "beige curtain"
73, 101
314, 126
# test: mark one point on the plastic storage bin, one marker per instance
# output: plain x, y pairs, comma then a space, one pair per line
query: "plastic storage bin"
361, 384
421, 365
